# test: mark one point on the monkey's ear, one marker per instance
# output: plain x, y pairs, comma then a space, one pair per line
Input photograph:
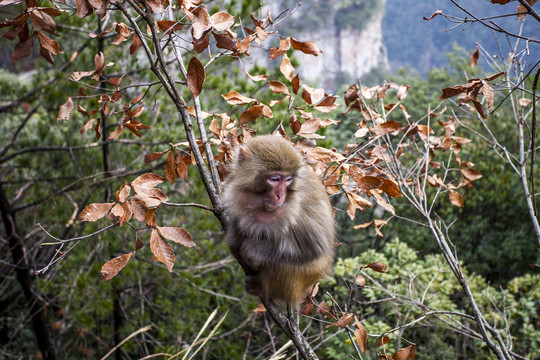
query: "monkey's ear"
242, 155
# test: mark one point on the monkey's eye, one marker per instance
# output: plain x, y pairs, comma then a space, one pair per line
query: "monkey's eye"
289, 179
274, 178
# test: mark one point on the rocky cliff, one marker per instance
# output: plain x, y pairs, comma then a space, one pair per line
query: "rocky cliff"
350, 49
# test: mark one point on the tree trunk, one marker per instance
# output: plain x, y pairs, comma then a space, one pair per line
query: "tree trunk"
35, 304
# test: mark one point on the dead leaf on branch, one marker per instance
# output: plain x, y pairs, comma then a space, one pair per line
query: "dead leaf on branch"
163, 252
94, 212
222, 20
284, 46
112, 267
203, 25
437, 12
474, 57
168, 25
469, 92
405, 353
123, 193
255, 112
178, 235
139, 207
343, 321
223, 42
356, 202
361, 335
65, 110
378, 267
286, 67
383, 341
144, 186
455, 198
235, 98
278, 87
170, 167
22, 49
308, 47
195, 76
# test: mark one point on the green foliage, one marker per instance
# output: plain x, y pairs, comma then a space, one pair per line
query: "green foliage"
89, 315
493, 234
415, 285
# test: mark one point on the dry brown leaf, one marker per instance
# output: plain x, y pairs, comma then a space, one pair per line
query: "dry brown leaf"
361, 335
139, 207
383, 341
178, 235
136, 43
525, 102
222, 20
112, 267
390, 188
437, 12
326, 156
308, 47
360, 280
127, 213
254, 112
474, 57
260, 308
116, 213
95, 212
363, 226
235, 98
181, 167
369, 182
199, 45
203, 24
308, 128
170, 167
286, 67
405, 353
382, 203
403, 90
296, 84
148, 158
168, 25
138, 244
356, 202
256, 77
123, 193
455, 198
278, 87
65, 110
162, 250
471, 174
284, 46
223, 42
378, 267
195, 76
343, 321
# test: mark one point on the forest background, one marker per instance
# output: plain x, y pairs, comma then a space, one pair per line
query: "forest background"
441, 258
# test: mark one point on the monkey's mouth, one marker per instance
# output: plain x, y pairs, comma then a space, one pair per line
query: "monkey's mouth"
271, 206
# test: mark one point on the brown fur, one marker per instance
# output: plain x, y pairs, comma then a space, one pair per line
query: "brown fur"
286, 250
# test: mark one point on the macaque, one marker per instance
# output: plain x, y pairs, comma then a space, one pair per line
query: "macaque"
281, 226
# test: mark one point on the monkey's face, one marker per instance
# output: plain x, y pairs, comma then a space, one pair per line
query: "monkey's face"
277, 183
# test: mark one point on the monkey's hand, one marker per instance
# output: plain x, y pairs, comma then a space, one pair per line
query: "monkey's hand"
253, 285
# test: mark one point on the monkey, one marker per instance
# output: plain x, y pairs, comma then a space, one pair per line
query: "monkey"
281, 225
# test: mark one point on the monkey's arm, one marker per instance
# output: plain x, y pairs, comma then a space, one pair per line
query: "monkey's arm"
252, 282
234, 241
